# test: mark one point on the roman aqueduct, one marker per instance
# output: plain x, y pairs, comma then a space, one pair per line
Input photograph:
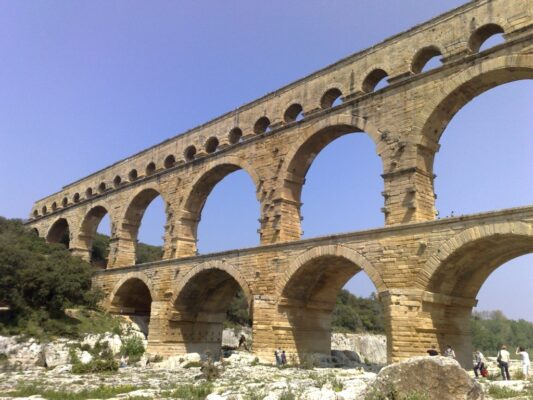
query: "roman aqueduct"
427, 272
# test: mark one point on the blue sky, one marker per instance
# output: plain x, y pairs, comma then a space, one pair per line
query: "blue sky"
84, 84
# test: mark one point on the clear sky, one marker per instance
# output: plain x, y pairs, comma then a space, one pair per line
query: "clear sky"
86, 83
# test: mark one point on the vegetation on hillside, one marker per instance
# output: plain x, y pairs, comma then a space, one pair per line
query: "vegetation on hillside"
38, 281
145, 252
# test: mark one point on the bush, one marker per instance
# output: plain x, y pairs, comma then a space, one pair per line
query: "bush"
95, 366
192, 392
133, 348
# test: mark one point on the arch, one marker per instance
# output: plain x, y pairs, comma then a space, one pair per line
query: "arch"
64, 202
481, 34
422, 57
89, 226
170, 161
35, 213
372, 80
54, 206
189, 153
261, 125
204, 184
117, 181
150, 169
331, 251
59, 232
44, 210
133, 175
76, 197
293, 112
470, 83
133, 275
133, 215
317, 136
461, 264
235, 135
88, 192
215, 265
211, 144
102, 187
35, 231
329, 97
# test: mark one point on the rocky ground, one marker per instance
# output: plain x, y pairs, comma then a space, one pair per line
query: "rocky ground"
31, 370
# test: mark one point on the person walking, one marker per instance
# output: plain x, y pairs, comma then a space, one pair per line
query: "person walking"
479, 363
503, 361
278, 358
449, 352
524, 357
283, 358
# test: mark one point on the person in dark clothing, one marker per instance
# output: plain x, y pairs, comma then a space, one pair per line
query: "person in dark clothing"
283, 358
278, 358
433, 351
242, 342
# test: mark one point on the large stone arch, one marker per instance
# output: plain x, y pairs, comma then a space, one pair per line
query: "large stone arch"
333, 251
88, 227
467, 84
488, 245
60, 231
454, 274
197, 193
130, 221
199, 305
155, 295
307, 293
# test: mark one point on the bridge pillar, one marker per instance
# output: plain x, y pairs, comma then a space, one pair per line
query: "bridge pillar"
418, 320
121, 251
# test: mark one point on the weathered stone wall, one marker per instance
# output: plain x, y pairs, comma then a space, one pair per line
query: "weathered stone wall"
427, 272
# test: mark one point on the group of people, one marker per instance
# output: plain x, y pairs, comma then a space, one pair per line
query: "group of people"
281, 357
503, 358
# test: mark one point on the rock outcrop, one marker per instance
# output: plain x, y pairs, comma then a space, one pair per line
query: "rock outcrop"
438, 378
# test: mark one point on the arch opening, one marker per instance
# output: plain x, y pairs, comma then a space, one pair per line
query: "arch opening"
95, 233
170, 161
189, 153
59, 232
262, 125
293, 113
64, 202
211, 145
150, 169
133, 300
213, 207
132, 176
375, 80
426, 59
327, 172
202, 306
331, 98
460, 278
117, 181
485, 37
466, 184
144, 232
315, 304
235, 136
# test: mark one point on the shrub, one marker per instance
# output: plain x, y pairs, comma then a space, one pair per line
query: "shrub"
192, 392
133, 348
499, 392
210, 371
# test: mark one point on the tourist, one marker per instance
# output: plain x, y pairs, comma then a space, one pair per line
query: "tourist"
242, 342
449, 352
433, 351
503, 361
283, 358
278, 359
525, 360
479, 363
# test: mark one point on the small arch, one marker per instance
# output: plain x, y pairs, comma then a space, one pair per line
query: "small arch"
189, 153
330, 97
35, 213
424, 57
102, 187
170, 161
235, 135
64, 202
293, 113
59, 232
211, 144
54, 206
150, 169
76, 197
482, 34
89, 192
117, 181
35, 231
88, 234
44, 210
133, 175
373, 79
261, 125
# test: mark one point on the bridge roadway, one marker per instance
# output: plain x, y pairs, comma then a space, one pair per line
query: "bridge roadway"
426, 274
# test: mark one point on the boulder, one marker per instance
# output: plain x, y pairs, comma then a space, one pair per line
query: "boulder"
85, 357
25, 353
440, 378
113, 341
368, 347
55, 354
241, 358
230, 337
318, 394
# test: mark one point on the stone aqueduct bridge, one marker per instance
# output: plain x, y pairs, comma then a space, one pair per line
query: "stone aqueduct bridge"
427, 272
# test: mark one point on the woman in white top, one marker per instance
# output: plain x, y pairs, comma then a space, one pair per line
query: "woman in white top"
525, 360
503, 359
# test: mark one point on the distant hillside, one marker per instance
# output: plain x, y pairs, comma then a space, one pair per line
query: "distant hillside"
145, 252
